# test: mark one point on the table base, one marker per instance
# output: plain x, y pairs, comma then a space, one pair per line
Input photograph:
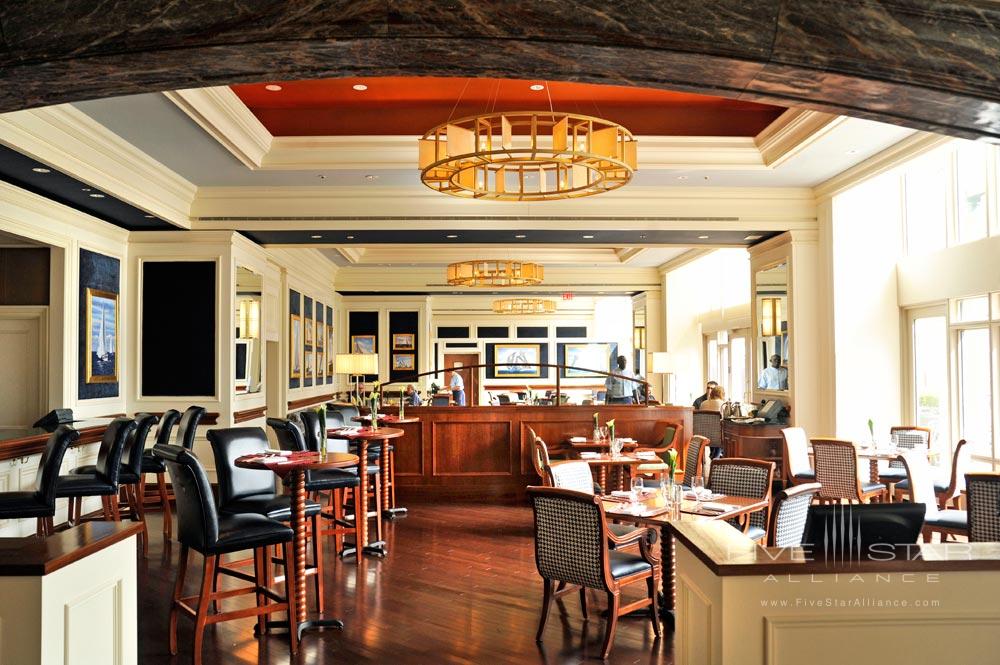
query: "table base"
310, 624
393, 513
378, 548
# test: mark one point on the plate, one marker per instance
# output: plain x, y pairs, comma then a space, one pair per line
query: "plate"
621, 494
577, 439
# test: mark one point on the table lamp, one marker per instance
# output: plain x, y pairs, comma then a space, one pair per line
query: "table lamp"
356, 365
661, 365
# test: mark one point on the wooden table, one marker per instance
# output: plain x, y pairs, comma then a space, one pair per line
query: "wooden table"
386, 467
294, 467
599, 445
876, 455
616, 462
363, 436
742, 505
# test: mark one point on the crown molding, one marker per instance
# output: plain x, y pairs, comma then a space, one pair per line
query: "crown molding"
38, 218
895, 155
71, 141
627, 254
227, 119
684, 259
352, 255
791, 133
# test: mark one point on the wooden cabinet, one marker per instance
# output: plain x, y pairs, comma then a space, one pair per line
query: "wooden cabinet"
759, 441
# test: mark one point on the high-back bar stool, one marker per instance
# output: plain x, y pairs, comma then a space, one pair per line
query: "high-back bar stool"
40, 502
104, 481
153, 464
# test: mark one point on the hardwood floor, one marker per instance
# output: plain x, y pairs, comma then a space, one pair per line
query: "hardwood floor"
459, 586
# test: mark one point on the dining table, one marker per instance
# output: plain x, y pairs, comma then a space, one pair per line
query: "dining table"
389, 508
653, 513
292, 467
597, 445
616, 463
362, 435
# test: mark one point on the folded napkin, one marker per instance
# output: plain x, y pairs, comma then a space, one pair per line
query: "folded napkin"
577, 439
589, 455
716, 507
704, 495
646, 454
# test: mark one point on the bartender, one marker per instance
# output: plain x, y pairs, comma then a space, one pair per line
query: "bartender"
457, 386
774, 377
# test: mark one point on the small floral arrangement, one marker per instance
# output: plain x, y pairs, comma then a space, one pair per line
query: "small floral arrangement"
672, 462
871, 428
611, 429
373, 401
597, 420
321, 413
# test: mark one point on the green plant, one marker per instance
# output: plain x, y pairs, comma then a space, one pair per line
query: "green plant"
672, 462
611, 429
871, 427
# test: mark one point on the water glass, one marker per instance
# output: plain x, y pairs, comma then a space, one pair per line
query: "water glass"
636, 488
698, 487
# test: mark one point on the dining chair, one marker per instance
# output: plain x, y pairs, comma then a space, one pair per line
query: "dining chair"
921, 490
797, 468
201, 528
571, 546
905, 437
153, 464
40, 501
540, 458
739, 476
837, 472
983, 501
789, 514
575, 475
708, 424
103, 482
947, 486
187, 428
694, 460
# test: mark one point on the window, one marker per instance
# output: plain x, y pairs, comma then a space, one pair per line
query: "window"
930, 373
926, 209
972, 309
970, 175
975, 394
726, 361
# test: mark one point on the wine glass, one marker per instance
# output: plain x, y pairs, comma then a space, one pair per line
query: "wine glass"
636, 488
604, 432
698, 487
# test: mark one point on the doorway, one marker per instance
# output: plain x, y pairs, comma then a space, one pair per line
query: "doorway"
23, 345
462, 362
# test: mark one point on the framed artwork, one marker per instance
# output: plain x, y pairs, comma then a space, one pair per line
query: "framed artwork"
403, 342
362, 343
517, 353
403, 361
582, 359
320, 334
102, 337
295, 347
329, 351
310, 329
308, 364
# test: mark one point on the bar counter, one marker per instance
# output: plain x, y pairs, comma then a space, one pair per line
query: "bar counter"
31, 441
484, 452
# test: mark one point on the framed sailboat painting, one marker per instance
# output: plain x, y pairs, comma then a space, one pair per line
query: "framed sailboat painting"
102, 337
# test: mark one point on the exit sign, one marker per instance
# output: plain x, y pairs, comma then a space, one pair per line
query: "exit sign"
567, 296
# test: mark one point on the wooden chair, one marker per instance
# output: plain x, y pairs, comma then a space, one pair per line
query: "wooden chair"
540, 458
571, 546
694, 459
983, 499
837, 471
905, 437
667, 434
788, 515
796, 467
947, 488
944, 522
738, 476
708, 424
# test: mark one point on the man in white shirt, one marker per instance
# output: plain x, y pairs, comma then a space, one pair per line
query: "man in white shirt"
619, 391
457, 386
774, 377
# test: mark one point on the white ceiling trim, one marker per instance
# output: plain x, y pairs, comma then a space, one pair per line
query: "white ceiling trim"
227, 119
627, 254
69, 140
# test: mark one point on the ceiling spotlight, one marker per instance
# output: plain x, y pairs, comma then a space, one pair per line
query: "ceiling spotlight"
706, 177
350, 237
642, 237
702, 237
41, 169
360, 87
371, 176
520, 235
96, 196
682, 177
148, 216
451, 236
852, 151
86, 189
588, 237
536, 87
273, 87
755, 236
315, 237
321, 176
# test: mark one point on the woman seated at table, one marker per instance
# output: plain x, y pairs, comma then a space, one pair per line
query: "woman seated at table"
716, 398
412, 396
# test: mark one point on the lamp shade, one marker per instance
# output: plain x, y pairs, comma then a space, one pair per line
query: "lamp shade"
357, 363
770, 317
661, 362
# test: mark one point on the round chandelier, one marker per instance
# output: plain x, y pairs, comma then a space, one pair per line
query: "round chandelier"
527, 156
495, 272
524, 306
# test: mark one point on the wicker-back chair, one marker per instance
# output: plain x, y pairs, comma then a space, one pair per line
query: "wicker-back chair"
789, 513
736, 476
837, 471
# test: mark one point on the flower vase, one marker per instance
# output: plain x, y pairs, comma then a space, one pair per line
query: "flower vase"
596, 435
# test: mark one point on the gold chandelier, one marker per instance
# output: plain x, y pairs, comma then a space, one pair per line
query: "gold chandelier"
527, 156
524, 306
495, 272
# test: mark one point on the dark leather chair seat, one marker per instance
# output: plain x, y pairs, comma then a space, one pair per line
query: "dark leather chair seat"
125, 477
372, 470
892, 474
275, 507
806, 475
244, 532
15, 505
872, 487
332, 479
949, 519
152, 463
623, 564
79, 484
940, 484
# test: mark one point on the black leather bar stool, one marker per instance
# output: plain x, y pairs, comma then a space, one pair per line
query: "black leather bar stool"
131, 472
335, 483
40, 502
188, 427
243, 491
153, 464
201, 528
104, 481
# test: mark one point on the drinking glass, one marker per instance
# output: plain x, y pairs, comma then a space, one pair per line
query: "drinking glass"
698, 487
604, 432
636, 488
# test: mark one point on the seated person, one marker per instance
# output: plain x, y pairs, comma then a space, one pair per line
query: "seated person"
411, 396
708, 388
716, 398
774, 377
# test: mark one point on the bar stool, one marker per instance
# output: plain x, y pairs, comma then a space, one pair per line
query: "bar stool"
199, 527
243, 491
153, 464
104, 481
131, 472
188, 426
40, 502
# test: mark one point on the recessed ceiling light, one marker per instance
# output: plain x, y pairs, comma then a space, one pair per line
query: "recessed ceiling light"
706, 177
41, 169
273, 87
350, 237
642, 237
536, 87
520, 235
85, 189
682, 177
371, 176
148, 216
96, 196
852, 151
451, 235
588, 237
702, 237
322, 176
315, 237
360, 87
753, 237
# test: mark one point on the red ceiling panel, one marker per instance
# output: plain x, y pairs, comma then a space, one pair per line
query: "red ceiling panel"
412, 105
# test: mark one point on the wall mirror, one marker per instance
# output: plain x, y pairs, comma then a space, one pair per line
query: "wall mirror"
249, 286
771, 312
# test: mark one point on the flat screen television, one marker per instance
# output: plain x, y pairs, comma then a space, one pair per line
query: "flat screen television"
770, 410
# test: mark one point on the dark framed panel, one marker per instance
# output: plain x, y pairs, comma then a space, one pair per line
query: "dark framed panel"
101, 274
359, 324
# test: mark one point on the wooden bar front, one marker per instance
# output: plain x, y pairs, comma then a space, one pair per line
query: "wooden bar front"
472, 453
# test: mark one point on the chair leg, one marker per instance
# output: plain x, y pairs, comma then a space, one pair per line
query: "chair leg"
116, 514
583, 602
293, 633
337, 506
40, 527
178, 589
378, 508
317, 556
259, 562
546, 604
652, 584
614, 601
161, 485
204, 598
